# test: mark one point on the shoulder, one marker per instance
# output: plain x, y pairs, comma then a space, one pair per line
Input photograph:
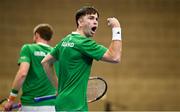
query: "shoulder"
25, 46
85, 41
28, 46
79, 39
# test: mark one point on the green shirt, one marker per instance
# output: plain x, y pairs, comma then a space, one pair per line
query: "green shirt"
36, 82
75, 54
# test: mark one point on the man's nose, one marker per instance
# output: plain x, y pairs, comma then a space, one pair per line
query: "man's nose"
95, 22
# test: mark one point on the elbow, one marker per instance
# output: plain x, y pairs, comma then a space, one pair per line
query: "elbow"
108, 57
42, 62
22, 74
116, 60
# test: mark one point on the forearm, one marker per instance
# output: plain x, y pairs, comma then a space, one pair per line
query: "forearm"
49, 69
55, 79
19, 80
17, 84
48, 66
114, 52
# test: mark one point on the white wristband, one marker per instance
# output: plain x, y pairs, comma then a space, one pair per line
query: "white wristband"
116, 33
13, 94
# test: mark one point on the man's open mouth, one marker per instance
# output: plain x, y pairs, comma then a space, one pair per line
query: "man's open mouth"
94, 28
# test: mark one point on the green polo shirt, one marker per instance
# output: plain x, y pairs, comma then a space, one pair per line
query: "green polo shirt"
75, 54
36, 82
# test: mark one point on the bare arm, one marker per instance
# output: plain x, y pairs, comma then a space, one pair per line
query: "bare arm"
17, 83
114, 52
48, 66
21, 75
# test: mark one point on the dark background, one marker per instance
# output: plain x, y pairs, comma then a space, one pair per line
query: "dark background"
148, 76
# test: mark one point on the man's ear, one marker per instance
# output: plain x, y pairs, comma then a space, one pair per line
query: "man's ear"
36, 35
80, 21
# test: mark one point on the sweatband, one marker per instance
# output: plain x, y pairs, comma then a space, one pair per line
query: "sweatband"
13, 95
116, 33
14, 91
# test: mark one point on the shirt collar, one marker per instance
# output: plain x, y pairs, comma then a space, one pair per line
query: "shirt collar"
43, 44
74, 32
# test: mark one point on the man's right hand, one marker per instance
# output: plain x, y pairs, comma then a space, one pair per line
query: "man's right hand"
113, 22
8, 105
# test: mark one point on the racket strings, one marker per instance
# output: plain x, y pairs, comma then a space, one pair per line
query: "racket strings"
96, 89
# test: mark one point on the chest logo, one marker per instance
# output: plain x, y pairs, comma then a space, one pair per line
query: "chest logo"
39, 53
68, 44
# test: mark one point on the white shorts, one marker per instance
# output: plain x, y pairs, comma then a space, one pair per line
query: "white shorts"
38, 109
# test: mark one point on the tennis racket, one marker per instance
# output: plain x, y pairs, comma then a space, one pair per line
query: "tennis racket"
97, 87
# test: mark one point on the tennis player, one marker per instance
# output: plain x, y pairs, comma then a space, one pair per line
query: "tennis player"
31, 75
75, 54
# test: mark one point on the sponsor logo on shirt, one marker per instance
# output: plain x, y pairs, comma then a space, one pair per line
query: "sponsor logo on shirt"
23, 57
68, 44
39, 53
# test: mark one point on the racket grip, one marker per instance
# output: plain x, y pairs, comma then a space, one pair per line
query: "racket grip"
17, 105
42, 98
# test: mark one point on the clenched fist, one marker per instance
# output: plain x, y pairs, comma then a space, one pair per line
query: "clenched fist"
113, 22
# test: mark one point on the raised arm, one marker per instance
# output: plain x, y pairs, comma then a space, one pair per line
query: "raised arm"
114, 52
48, 65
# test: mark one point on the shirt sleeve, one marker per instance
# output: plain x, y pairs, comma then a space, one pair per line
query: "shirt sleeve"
24, 55
55, 51
90, 48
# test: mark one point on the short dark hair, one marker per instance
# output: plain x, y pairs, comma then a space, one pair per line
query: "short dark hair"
84, 11
44, 30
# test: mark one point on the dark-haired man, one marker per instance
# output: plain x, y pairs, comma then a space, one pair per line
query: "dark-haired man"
31, 76
75, 54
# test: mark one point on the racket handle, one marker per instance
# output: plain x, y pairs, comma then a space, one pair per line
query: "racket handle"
17, 105
42, 98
